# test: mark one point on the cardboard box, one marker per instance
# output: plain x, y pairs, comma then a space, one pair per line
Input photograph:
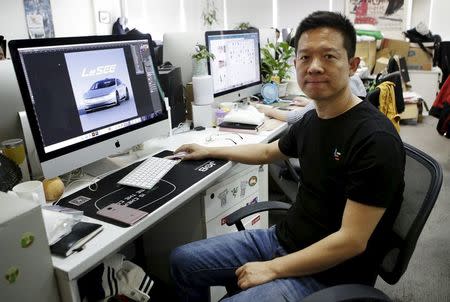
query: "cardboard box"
418, 59
367, 51
390, 47
411, 112
380, 65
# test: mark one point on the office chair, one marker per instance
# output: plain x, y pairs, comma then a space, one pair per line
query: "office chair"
423, 180
285, 174
373, 96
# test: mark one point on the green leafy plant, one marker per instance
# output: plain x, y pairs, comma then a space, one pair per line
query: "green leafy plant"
202, 53
243, 25
209, 14
276, 60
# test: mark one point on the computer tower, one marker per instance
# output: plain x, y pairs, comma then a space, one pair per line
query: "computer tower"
172, 86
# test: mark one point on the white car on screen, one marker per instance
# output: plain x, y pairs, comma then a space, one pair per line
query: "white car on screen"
105, 93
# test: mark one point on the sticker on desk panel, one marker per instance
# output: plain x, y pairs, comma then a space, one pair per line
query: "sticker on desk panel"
253, 201
78, 201
243, 187
12, 274
234, 191
252, 181
256, 219
26, 240
223, 197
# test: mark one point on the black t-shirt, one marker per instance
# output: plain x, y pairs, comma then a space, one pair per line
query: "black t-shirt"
356, 155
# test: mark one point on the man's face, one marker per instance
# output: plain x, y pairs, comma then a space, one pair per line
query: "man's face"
322, 66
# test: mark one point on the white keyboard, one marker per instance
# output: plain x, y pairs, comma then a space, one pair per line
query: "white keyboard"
148, 173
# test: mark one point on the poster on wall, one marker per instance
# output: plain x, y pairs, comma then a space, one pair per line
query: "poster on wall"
386, 15
38, 15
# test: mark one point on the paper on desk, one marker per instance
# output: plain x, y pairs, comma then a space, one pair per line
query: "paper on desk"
411, 96
58, 224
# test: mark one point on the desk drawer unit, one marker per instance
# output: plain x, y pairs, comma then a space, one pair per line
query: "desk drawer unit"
229, 195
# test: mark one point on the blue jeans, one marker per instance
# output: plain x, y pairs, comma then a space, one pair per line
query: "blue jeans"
213, 261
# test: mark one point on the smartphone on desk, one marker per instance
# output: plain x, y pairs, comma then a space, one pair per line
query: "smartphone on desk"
122, 213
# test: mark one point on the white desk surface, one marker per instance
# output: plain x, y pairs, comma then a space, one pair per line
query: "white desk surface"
112, 238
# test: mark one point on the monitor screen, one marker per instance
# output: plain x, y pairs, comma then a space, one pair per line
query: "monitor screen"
80, 92
236, 65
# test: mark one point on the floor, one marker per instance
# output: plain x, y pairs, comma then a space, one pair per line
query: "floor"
428, 275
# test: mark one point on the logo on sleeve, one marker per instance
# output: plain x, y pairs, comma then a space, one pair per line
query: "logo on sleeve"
336, 155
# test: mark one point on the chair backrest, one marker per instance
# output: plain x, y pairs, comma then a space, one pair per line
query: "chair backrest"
374, 95
423, 180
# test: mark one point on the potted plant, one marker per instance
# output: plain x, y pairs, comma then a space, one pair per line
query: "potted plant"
199, 58
276, 62
243, 25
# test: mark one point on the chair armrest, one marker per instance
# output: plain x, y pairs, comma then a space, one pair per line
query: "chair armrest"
238, 215
292, 170
348, 292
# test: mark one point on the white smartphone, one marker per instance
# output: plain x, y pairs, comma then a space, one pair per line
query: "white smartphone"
122, 213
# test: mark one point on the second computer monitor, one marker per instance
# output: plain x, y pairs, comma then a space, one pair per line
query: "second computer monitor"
236, 68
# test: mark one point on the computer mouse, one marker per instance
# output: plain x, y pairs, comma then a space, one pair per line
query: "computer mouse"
178, 155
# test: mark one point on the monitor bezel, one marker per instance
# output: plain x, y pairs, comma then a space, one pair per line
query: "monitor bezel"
15, 45
229, 33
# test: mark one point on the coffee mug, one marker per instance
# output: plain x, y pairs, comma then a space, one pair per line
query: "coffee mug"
31, 190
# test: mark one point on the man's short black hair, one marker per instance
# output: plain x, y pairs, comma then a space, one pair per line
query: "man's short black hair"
333, 20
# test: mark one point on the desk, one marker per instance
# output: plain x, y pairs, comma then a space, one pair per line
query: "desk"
113, 238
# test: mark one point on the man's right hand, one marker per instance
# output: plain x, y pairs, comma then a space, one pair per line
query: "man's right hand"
194, 151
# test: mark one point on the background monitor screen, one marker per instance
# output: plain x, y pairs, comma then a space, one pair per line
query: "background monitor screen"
237, 61
85, 97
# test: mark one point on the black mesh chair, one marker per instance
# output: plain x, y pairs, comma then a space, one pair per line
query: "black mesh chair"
285, 176
423, 180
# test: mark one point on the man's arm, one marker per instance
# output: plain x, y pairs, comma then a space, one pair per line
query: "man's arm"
273, 112
358, 223
253, 154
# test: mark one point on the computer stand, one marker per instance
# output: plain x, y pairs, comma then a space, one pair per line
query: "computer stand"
102, 167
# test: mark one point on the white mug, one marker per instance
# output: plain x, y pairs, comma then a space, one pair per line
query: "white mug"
31, 190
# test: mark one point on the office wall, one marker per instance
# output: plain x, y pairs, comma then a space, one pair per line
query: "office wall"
257, 12
10, 102
439, 23
69, 18
291, 12
420, 12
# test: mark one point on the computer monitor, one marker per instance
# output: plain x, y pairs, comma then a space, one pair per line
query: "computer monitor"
88, 97
236, 67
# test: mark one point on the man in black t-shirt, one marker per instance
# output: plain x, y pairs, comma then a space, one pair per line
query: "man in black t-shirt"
352, 172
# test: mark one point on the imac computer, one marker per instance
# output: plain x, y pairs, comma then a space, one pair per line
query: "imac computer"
88, 97
236, 67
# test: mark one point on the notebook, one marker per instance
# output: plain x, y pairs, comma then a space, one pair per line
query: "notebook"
239, 127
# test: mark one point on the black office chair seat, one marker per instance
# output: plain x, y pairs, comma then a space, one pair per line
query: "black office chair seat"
423, 181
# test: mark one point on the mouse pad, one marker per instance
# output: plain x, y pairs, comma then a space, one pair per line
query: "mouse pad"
181, 177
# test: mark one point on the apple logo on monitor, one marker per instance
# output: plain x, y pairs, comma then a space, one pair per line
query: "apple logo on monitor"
117, 144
